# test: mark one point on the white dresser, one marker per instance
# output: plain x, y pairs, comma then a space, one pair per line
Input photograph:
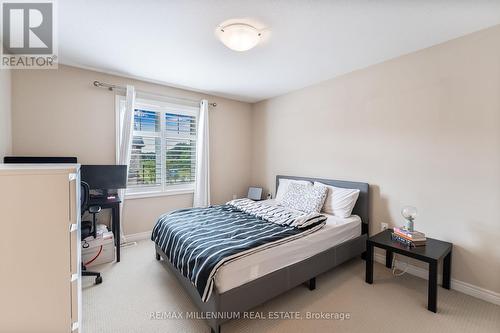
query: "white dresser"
40, 273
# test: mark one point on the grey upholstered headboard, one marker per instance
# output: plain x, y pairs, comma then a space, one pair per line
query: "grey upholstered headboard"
362, 205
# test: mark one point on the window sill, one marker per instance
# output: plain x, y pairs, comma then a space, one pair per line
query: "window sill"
142, 195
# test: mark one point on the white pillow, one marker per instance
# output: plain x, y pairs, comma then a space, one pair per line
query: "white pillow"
283, 186
306, 198
339, 201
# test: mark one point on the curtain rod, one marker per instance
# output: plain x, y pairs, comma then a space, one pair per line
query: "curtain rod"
112, 87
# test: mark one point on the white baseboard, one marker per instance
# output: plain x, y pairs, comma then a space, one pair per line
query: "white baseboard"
460, 286
138, 237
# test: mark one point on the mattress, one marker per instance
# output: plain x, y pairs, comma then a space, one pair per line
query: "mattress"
243, 270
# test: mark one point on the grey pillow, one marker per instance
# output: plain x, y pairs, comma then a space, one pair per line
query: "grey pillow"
306, 198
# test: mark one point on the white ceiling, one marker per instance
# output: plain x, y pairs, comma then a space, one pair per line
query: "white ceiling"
173, 42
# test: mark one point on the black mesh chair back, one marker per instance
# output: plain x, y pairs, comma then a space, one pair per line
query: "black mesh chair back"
86, 229
84, 196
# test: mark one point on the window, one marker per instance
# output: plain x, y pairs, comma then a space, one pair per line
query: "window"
163, 157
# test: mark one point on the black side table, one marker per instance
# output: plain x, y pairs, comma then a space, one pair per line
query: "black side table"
431, 253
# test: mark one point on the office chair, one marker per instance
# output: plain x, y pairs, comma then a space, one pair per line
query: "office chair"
88, 228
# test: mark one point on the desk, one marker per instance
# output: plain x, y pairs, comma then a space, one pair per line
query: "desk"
114, 205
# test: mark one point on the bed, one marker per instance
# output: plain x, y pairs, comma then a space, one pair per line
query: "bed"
253, 279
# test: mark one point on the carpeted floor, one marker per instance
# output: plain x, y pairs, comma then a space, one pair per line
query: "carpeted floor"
140, 285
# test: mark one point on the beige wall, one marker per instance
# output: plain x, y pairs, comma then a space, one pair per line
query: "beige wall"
422, 129
5, 114
59, 112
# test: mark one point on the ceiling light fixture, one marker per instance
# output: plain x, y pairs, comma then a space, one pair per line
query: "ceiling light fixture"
239, 36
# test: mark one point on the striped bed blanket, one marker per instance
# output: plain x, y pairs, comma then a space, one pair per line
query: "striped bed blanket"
198, 241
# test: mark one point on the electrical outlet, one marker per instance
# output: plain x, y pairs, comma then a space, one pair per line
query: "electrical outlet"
384, 226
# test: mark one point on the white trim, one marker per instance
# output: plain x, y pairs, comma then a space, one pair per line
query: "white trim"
161, 107
460, 286
152, 103
140, 195
163, 151
138, 236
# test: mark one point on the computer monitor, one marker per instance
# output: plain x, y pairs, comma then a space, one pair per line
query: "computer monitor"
104, 177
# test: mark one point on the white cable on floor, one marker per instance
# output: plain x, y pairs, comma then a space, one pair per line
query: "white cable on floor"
394, 270
125, 243
128, 244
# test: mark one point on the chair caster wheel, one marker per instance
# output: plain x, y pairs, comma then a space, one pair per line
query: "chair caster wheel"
98, 280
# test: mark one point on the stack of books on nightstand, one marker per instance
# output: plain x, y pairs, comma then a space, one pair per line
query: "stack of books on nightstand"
408, 238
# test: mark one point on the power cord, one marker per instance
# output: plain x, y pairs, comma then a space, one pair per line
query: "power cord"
395, 271
93, 259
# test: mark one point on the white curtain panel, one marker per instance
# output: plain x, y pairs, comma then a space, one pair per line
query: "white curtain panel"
126, 122
202, 185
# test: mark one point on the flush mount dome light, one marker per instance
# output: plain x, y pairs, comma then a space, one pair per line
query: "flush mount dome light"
239, 36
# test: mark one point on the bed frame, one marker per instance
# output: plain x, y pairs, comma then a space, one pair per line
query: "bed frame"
258, 291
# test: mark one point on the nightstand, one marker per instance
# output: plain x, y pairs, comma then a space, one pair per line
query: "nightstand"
433, 251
